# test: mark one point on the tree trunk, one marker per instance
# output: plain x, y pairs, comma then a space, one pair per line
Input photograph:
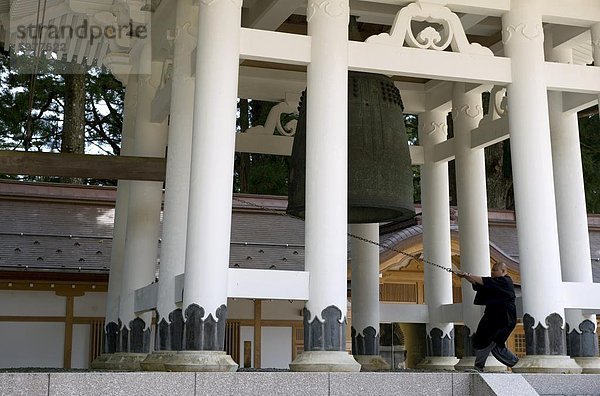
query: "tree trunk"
244, 163
73, 133
499, 176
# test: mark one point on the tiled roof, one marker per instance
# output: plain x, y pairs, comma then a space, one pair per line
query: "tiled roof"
75, 235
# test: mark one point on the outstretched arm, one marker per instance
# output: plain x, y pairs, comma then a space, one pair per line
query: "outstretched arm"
474, 279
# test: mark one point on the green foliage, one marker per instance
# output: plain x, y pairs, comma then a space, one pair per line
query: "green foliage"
265, 174
589, 135
104, 109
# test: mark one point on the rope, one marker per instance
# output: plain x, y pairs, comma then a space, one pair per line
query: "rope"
452, 270
32, 81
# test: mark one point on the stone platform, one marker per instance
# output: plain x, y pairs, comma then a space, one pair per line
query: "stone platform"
288, 383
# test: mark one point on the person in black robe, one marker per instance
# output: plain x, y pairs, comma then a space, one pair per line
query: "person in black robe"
497, 293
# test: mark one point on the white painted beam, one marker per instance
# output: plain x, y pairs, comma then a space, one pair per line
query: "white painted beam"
146, 298
573, 102
263, 144
583, 13
405, 313
269, 14
572, 78
268, 284
268, 84
490, 133
262, 45
569, 36
242, 283
482, 7
450, 313
161, 104
417, 155
581, 295
413, 62
444, 151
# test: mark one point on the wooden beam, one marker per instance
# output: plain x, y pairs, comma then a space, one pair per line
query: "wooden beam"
82, 165
68, 347
257, 332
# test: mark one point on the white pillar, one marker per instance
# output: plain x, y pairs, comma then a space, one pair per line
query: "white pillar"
595, 31
211, 186
435, 201
326, 189
573, 233
172, 261
169, 327
533, 183
143, 221
112, 326
365, 297
467, 112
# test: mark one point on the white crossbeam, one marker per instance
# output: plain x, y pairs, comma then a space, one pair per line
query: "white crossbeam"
413, 62
262, 45
572, 78
243, 283
405, 313
573, 102
263, 144
417, 155
490, 133
581, 295
444, 151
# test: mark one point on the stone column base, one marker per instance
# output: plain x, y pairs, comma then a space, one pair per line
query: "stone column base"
122, 361
547, 364
156, 360
100, 362
325, 361
492, 365
438, 363
590, 365
198, 361
371, 362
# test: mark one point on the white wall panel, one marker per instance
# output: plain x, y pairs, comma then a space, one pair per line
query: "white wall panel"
282, 310
80, 354
90, 304
25, 303
276, 349
31, 344
246, 334
240, 309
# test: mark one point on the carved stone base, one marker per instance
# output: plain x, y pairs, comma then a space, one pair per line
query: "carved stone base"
547, 364
100, 362
325, 361
492, 365
371, 362
590, 365
199, 361
122, 361
156, 360
438, 363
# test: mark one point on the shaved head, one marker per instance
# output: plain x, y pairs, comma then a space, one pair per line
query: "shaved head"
499, 269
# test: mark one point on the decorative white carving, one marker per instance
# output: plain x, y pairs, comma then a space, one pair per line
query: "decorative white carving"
498, 107
435, 127
469, 111
450, 34
273, 121
507, 33
333, 8
208, 3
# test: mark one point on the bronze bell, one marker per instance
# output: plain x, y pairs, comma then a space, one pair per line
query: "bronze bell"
380, 177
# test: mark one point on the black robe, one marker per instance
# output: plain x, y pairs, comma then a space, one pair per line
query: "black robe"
500, 316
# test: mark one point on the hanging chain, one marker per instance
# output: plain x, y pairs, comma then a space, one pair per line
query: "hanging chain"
417, 258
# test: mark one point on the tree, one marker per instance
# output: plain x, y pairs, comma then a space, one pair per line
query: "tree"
70, 112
